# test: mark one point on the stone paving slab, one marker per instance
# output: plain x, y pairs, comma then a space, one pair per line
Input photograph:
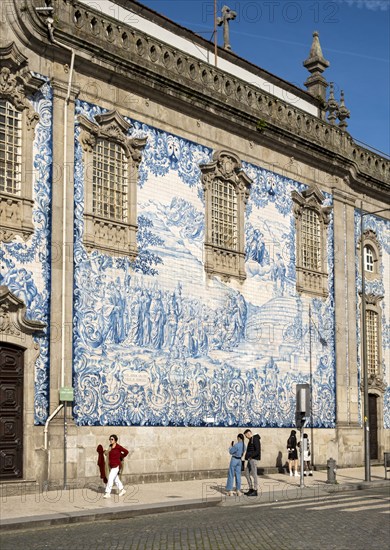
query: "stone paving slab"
73, 505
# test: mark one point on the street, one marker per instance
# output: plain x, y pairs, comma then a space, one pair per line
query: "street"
342, 521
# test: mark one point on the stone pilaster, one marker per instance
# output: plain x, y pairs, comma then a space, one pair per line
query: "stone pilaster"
347, 390
61, 326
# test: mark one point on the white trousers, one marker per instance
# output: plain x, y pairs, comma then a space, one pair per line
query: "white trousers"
114, 478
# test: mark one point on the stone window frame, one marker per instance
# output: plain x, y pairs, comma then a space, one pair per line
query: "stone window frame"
311, 281
373, 306
227, 262
110, 236
370, 240
16, 84
11, 147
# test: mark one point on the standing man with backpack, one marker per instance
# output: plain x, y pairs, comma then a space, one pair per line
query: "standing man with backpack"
252, 455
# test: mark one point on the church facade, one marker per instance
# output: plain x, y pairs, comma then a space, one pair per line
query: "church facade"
181, 246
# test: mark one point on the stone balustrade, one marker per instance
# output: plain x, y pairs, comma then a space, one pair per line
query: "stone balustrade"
79, 24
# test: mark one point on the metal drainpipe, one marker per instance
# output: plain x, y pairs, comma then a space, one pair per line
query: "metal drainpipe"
45, 432
49, 22
46, 428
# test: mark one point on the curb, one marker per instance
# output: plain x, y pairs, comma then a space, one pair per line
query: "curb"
301, 493
108, 514
359, 486
123, 512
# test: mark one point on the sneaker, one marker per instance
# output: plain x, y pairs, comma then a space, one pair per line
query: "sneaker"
311, 474
291, 474
107, 495
305, 474
249, 493
253, 493
123, 492
296, 474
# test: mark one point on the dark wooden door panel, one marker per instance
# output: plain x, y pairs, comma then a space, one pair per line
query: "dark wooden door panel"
11, 412
373, 416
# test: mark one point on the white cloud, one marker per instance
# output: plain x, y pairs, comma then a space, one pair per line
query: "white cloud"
374, 5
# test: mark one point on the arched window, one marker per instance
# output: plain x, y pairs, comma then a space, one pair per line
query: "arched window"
372, 253
369, 259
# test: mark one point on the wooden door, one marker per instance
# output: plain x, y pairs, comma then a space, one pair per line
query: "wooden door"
373, 418
11, 412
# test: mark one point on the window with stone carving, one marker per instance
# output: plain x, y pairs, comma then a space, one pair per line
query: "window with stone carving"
226, 190
110, 181
311, 220
372, 256
224, 214
311, 240
17, 130
10, 148
373, 335
372, 332
111, 160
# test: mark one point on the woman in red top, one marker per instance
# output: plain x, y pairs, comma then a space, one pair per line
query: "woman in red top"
116, 454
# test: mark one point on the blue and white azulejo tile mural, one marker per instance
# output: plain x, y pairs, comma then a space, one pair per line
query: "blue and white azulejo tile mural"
377, 286
158, 343
26, 265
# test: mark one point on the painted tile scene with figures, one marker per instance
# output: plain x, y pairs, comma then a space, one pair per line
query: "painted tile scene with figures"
183, 244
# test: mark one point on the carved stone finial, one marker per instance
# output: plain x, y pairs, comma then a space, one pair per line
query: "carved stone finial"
343, 112
227, 15
316, 64
332, 106
16, 81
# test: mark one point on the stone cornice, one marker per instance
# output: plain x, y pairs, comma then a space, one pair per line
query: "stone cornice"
130, 58
343, 197
60, 89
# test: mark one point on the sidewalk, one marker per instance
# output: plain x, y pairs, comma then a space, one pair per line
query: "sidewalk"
75, 505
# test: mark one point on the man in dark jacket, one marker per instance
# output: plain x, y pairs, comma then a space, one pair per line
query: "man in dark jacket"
252, 455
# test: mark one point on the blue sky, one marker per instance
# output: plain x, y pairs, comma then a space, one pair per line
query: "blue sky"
277, 34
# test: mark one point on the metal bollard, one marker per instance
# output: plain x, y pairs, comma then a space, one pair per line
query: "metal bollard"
331, 470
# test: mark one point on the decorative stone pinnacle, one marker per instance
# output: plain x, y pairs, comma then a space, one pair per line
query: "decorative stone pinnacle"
332, 106
316, 64
316, 52
227, 15
343, 112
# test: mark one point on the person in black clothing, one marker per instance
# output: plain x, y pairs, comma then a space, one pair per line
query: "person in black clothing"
252, 455
292, 453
